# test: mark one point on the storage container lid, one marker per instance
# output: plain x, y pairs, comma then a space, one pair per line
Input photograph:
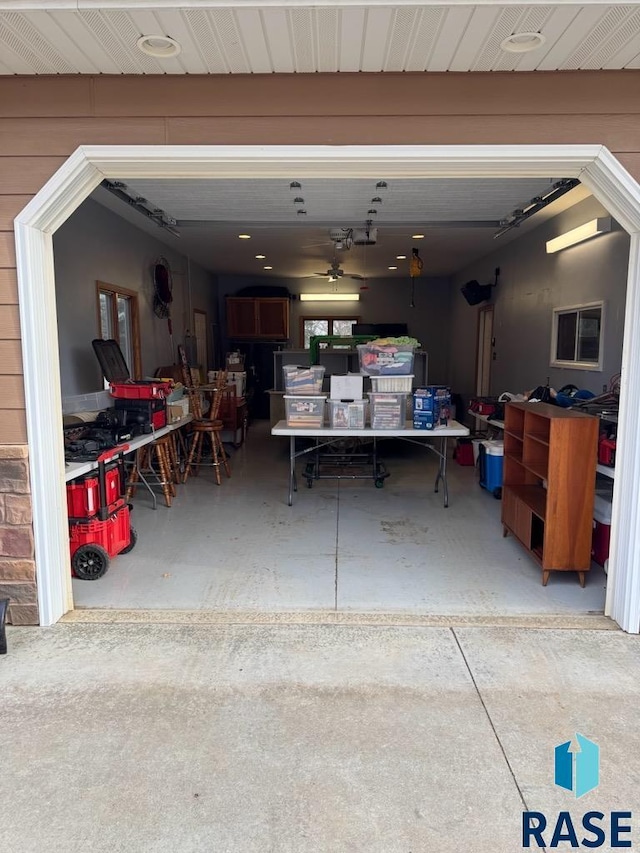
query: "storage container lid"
494, 447
602, 509
112, 362
305, 396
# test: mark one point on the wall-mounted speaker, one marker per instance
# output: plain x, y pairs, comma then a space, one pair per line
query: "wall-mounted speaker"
474, 292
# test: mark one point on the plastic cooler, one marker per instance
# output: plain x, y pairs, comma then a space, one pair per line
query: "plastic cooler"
601, 529
303, 380
385, 360
304, 411
388, 410
490, 460
347, 414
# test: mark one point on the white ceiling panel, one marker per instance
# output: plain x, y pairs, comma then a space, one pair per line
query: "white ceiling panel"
303, 37
457, 217
278, 38
378, 23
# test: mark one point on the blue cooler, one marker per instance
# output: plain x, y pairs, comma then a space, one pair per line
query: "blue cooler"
490, 463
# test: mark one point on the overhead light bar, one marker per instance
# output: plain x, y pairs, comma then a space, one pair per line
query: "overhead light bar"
580, 234
329, 297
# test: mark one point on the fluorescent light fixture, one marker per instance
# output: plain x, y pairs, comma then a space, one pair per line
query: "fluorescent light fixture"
244, 236
577, 235
329, 297
417, 236
261, 257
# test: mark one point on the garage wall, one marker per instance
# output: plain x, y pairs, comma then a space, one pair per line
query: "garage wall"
95, 244
531, 284
44, 119
384, 301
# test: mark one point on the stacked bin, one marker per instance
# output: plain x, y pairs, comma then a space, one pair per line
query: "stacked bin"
304, 403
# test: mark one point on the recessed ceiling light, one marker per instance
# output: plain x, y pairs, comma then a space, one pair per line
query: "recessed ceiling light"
301, 212
295, 185
160, 47
261, 257
393, 268
381, 185
298, 200
244, 236
376, 200
401, 257
522, 42
417, 236
267, 268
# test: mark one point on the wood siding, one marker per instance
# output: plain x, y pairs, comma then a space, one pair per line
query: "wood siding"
44, 119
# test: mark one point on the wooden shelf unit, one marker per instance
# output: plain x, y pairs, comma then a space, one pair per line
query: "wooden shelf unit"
549, 472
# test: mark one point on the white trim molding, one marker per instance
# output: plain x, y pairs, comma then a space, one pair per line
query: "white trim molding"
596, 167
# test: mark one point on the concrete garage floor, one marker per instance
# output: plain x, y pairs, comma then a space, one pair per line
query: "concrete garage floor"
305, 739
343, 547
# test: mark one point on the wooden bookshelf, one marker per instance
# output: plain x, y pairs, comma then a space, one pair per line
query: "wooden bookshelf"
550, 458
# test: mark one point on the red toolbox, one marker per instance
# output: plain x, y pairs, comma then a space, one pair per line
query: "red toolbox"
84, 498
99, 519
607, 451
153, 412
115, 370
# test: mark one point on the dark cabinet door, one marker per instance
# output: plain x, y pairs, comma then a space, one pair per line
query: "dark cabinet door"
273, 318
241, 318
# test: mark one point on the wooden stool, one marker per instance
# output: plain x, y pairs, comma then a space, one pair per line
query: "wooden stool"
163, 452
210, 426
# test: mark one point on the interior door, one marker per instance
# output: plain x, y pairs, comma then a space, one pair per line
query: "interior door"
485, 351
202, 344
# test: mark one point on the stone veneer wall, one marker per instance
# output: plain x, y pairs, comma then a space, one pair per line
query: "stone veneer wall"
17, 564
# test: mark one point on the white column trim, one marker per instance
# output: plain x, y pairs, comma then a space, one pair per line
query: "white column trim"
73, 182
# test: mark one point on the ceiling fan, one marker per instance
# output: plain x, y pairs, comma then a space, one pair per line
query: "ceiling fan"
334, 273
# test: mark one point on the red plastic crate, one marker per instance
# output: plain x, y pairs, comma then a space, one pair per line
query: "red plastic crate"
140, 391
113, 534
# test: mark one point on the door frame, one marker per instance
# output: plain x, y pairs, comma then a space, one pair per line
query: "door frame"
83, 171
482, 312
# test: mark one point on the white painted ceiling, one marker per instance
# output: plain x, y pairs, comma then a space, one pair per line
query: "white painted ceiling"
249, 36
459, 218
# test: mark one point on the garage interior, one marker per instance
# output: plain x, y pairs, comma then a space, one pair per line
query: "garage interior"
343, 545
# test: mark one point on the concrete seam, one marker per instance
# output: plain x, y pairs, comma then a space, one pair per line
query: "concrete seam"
493, 728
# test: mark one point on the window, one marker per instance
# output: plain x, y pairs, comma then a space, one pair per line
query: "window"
577, 336
311, 326
118, 318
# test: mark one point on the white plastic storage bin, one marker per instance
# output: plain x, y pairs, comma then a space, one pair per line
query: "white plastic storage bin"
304, 411
388, 410
303, 380
401, 384
347, 415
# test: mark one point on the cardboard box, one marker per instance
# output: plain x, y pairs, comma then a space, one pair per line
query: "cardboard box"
346, 387
436, 400
178, 410
235, 362
423, 420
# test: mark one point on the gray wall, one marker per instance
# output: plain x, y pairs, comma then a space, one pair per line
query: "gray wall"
532, 283
385, 301
96, 245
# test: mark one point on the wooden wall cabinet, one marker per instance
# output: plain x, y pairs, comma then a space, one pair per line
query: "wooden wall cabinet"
264, 318
550, 458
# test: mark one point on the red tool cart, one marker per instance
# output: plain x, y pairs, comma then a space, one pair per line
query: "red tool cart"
99, 519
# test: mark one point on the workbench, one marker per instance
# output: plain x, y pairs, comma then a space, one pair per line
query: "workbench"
326, 436
77, 469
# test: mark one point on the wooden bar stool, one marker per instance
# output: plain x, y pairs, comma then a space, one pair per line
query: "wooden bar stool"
211, 427
159, 454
